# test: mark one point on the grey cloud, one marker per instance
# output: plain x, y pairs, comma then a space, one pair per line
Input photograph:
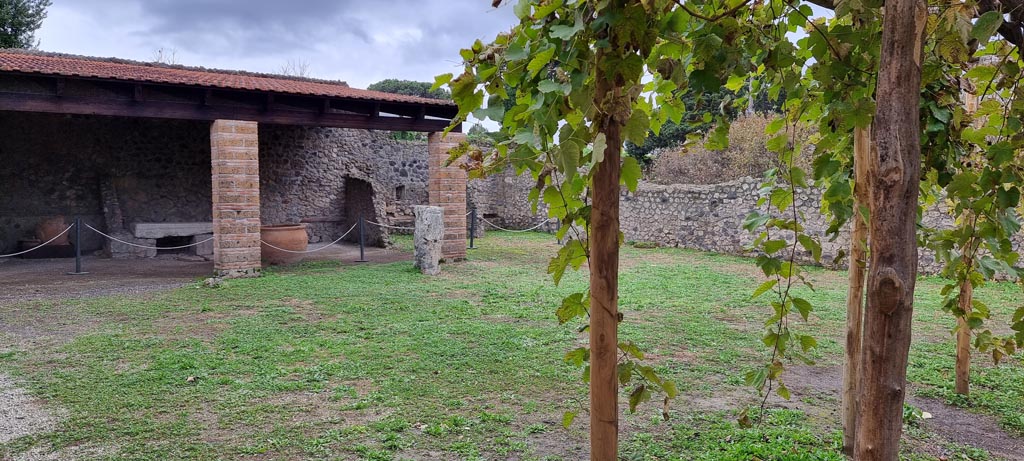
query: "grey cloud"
348, 39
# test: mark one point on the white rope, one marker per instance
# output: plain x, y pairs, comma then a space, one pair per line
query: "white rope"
39, 246
315, 249
390, 227
513, 230
146, 246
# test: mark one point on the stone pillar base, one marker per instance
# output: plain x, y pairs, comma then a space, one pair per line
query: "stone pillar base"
428, 239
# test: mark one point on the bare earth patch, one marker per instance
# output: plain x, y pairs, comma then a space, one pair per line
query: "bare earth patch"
46, 453
951, 423
21, 414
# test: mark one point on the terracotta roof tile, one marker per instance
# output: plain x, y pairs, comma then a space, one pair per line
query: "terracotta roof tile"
117, 69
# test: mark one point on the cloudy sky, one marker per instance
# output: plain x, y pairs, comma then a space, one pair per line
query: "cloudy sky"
358, 41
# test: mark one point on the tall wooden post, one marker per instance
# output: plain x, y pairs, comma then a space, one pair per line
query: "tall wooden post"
855, 290
963, 332
604, 264
894, 172
963, 341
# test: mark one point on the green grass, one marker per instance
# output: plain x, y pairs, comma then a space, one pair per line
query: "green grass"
377, 362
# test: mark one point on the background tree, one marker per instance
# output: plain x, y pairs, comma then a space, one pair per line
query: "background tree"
410, 88
695, 120
19, 21
166, 56
295, 68
676, 134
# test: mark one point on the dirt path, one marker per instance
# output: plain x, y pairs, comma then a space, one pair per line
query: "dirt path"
951, 423
39, 279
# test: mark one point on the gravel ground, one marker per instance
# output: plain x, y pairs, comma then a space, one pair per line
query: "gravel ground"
34, 279
21, 414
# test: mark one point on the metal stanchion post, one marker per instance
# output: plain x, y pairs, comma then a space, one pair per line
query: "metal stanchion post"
472, 228
78, 248
362, 240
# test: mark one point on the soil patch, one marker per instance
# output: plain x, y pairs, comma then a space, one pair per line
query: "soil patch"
34, 279
22, 414
951, 423
47, 453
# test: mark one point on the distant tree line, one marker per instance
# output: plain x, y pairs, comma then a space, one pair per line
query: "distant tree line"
410, 88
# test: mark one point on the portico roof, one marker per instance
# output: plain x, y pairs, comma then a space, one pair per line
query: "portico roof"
57, 83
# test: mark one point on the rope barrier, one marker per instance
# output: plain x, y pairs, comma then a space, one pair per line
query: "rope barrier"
315, 249
390, 227
513, 230
146, 246
39, 246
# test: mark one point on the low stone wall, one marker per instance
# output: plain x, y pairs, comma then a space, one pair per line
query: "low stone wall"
700, 217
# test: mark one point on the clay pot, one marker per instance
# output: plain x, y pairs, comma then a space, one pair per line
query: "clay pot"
49, 228
287, 236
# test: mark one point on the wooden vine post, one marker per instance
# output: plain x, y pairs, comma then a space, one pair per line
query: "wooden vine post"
962, 378
855, 290
604, 266
963, 340
894, 173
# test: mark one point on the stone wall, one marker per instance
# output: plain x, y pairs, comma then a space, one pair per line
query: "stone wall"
701, 217
303, 173
114, 172
56, 165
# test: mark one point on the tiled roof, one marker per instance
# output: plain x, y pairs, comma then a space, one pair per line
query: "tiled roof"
117, 69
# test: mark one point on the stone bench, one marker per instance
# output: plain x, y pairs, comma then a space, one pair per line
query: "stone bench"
147, 234
159, 230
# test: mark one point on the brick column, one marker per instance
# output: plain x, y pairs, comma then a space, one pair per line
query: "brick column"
447, 188
234, 148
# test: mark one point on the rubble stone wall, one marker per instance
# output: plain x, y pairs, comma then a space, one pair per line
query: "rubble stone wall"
114, 172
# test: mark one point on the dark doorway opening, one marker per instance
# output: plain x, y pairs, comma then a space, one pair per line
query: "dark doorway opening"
359, 202
168, 245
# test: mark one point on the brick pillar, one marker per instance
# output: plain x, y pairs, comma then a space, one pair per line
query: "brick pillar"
447, 187
234, 148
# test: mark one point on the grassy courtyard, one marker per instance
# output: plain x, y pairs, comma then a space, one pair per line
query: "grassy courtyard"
325, 361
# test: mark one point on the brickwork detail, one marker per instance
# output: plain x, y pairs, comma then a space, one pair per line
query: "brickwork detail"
234, 147
446, 188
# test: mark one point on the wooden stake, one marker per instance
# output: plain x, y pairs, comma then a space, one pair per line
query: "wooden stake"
855, 290
963, 341
963, 333
604, 291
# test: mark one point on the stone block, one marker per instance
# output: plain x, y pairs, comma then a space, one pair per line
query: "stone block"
428, 239
204, 249
118, 250
171, 229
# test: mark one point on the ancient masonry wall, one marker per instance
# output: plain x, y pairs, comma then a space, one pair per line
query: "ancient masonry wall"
701, 217
115, 172
304, 172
